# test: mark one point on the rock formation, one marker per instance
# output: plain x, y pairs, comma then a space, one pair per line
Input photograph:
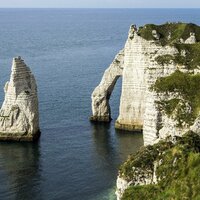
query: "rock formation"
101, 94
151, 53
165, 170
19, 116
161, 96
191, 39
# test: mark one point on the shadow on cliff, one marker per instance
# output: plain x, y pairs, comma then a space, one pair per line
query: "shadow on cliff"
20, 170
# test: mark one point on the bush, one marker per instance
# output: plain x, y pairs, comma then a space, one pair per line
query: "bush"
188, 87
178, 173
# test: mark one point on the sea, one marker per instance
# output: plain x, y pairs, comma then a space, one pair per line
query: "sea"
68, 51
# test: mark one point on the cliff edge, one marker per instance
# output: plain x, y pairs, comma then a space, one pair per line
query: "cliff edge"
165, 170
153, 55
168, 63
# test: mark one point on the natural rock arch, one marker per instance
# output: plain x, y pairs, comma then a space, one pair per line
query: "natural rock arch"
101, 95
150, 53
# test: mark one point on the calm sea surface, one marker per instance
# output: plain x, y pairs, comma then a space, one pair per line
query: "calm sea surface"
68, 51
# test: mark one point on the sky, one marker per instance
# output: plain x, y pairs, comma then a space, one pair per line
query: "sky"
99, 3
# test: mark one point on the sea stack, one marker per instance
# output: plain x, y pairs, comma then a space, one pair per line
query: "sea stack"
19, 115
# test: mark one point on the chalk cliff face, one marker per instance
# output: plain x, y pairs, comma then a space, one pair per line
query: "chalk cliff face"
139, 59
150, 53
160, 95
19, 116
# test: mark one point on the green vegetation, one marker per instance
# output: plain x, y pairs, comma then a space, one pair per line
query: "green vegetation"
170, 33
178, 171
168, 106
191, 59
188, 87
148, 192
177, 165
164, 60
144, 159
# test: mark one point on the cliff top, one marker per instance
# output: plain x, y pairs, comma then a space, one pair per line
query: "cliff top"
184, 37
170, 33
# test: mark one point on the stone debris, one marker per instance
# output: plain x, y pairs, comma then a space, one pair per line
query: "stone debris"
191, 39
156, 35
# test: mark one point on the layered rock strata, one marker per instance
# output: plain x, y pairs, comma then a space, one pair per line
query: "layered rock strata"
171, 102
19, 116
150, 53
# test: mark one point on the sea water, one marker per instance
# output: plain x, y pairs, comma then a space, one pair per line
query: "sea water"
68, 51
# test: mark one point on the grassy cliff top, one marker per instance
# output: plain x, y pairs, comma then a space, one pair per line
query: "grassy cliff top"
175, 34
179, 170
191, 59
175, 30
187, 85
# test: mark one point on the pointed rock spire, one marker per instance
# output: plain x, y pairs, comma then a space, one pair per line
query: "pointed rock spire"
19, 116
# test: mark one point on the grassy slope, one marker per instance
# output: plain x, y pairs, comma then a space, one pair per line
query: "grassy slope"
179, 180
178, 31
191, 59
188, 86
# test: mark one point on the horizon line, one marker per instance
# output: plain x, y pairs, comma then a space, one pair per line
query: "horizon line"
94, 8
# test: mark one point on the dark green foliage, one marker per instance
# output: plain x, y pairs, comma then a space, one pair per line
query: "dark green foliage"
179, 172
143, 159
146, 192
191, 59
168, 106
188, 86
164, 60
177, 30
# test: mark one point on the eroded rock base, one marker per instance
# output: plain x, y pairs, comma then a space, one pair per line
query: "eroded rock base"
129, 127
100, 119
21, 138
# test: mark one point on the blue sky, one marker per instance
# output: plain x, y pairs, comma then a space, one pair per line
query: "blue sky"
101, 3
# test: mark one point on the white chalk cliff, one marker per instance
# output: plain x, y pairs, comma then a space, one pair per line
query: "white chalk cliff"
160, 69
149, 54
19, 116
101, 94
